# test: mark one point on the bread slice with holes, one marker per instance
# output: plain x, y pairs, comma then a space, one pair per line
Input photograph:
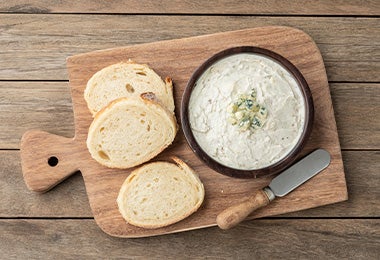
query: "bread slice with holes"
131, 131
159, 194
126, 79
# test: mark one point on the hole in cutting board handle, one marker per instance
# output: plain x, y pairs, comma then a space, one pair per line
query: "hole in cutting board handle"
47, 159
53, 161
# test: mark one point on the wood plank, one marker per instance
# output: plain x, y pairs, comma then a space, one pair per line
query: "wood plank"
69, 198
357, 111
34, 105
38, 105
295, 7
261, 239
36, 46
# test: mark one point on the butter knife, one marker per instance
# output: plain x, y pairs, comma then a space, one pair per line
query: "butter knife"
280, 186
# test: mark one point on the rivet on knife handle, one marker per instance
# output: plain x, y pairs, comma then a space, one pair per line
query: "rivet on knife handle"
233, 215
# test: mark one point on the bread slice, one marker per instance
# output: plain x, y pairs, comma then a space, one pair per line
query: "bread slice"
126, 79
159, 194
131, 131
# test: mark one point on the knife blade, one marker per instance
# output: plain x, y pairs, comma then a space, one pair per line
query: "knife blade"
280, 186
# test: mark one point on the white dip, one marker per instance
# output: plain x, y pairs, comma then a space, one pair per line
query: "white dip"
276, 89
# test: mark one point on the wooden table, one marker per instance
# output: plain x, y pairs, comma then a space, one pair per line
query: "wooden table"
37, 36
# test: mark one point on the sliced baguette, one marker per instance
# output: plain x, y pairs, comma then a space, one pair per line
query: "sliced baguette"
126, 79
131, 131
159, 194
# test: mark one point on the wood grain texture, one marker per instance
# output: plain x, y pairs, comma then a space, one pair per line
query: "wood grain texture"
233, 215
363, 182
34, 105
44, 167
35, 46
295, 7
259, 239
359, 124
328, 187
38, 105
69, 198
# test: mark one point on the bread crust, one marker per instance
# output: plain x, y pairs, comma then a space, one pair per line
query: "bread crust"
153, 104
192, 178
99, 85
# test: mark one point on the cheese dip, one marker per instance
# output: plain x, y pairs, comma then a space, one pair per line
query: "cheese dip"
275, 90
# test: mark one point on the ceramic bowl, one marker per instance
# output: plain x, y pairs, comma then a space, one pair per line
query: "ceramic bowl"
278, 166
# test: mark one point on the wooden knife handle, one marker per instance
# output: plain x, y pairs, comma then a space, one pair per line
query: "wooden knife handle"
46, 159
233, 215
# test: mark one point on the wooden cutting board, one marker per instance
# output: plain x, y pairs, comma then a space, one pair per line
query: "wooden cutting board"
48, 159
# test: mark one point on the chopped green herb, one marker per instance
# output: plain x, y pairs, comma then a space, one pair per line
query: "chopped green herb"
246, 113
248, 103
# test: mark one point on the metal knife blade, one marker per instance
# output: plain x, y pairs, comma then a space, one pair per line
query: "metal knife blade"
300, 172
284, 183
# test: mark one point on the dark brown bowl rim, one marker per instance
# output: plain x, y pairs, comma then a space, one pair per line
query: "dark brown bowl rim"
271, 169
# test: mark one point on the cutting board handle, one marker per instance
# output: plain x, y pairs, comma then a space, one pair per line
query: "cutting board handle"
46, 159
